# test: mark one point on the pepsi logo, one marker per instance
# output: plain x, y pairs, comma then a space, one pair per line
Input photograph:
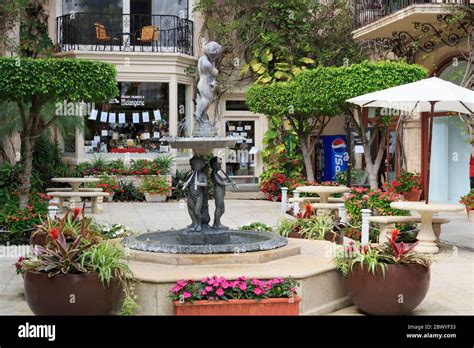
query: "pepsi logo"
339, 146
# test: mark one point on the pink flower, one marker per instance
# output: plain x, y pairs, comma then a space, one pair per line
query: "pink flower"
225, 284
220, 292
255, 282
204, 293
235, 284
186, 294
243, 286
293, 290
176, 289
208, 288
182, 283
258, 291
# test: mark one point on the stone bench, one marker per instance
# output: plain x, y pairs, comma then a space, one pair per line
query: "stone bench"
69, 189
387, 224
326, 208
96, 198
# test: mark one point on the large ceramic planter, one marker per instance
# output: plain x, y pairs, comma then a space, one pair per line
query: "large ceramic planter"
398, 293
70, 294
154, 198
271, 306
412, 196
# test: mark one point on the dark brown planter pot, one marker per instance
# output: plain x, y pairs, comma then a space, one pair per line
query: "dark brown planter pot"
401, 291
38, 239
70, 294
268, 307
329, 236
412, 196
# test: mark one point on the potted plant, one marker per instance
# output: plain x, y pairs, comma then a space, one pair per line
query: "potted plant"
468, 201
219, 296
409, 185
76, 273
387, 279
108, 184
155, 188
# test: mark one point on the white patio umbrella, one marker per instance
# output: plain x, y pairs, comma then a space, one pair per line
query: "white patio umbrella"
428, 95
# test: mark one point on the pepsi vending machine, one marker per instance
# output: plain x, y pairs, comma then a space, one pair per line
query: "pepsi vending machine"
331, 157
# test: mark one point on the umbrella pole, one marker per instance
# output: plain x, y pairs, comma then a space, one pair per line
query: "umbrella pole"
430, 138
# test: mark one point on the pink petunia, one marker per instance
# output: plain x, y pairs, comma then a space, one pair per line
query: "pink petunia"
258, 291
220, 292
176, 289
225, 284
186, 294
243, 286
208, 288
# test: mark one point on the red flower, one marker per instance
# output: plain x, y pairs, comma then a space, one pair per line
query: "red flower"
54, 233
76, 212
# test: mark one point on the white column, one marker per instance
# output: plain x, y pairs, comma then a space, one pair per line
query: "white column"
284, 197
296, 205
365, 225
342, 213
173, 106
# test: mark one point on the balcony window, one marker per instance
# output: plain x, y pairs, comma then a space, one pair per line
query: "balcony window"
93, 6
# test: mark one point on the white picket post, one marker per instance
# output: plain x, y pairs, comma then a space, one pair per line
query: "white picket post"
284, 199
365, 225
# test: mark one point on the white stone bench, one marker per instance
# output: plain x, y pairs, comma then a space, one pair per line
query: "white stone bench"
326, 208
96, 198
69, 189
387, 224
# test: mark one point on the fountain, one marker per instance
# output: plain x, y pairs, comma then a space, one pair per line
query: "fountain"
200, 237
202, 249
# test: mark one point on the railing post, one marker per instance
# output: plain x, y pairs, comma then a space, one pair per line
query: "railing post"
365, 225
284, 197
296, 204
342, 213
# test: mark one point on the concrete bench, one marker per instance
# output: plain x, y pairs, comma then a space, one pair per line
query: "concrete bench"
326, 208
69, 189
96, 198
387, 224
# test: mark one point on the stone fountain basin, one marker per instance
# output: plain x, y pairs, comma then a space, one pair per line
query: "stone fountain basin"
202, 145
223, 242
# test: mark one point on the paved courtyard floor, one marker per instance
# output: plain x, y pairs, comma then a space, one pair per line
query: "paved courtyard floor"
452, 274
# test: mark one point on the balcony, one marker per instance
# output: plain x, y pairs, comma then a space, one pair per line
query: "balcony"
369, 11
125, 32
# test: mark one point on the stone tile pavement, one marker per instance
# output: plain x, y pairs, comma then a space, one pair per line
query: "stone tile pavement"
452, 277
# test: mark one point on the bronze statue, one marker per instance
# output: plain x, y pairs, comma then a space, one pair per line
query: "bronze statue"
196, 187
219, 190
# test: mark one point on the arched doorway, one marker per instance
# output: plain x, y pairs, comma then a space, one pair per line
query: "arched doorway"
449, 171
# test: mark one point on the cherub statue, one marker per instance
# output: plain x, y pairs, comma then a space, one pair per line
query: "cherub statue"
197, 192
219, 190
207, 80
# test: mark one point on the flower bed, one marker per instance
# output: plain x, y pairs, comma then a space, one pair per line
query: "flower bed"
242, 296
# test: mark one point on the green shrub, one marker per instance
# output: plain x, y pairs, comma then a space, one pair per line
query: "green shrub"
127, 192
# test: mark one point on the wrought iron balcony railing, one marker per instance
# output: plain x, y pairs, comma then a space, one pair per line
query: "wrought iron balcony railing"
124, 32
368, 11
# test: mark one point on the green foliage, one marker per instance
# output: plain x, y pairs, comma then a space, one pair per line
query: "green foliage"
54, 80
324, 90
18, 223
155, 185
256, 226
313, 227
127, 192
164, 163
178, 179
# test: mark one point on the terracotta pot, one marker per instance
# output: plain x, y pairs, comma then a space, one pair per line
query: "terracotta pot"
70, 294
271, 306
336, 237
401, 291
412, 196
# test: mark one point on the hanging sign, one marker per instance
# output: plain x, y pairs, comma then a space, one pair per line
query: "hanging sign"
136, 117
121, 117
93, 114
103, 116
157, 115
146, 116
112, 117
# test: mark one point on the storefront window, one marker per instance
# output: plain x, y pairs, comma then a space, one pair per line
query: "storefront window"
133, 122
239, 160
236, 105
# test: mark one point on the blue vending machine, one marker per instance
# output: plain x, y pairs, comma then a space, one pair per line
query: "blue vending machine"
332, 157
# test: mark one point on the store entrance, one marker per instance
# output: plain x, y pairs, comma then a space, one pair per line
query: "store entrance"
239, 160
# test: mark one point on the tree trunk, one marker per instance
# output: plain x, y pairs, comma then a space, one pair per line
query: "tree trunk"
25, 174
308, 163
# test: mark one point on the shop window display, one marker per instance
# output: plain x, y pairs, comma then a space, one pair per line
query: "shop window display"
239, 160
133, 122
